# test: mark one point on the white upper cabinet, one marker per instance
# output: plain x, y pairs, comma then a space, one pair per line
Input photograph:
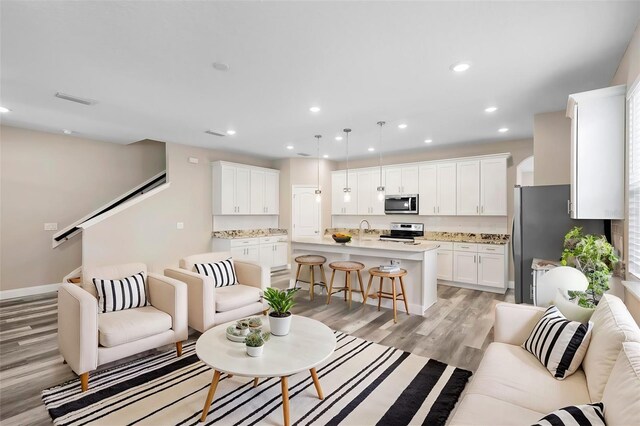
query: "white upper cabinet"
447, 189
597, 153
401, 180
338, 183
493, 187
244, 190
437, 185
367, 194
428, 196
468, 188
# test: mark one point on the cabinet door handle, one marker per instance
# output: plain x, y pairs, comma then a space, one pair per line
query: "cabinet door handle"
568, 206
438, 209
477, 209
479, 259
434, 209
474, 258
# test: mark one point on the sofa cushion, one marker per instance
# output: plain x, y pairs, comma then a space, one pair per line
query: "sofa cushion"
476, 410
612, 325
236, 296
120, 327
509, 373
575, 415
621, 395
558, 343
222, 272
125, 293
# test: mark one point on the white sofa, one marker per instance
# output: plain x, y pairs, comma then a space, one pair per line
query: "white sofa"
210, 306
511, 387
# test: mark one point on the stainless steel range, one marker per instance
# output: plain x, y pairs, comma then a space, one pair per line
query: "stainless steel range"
404, 232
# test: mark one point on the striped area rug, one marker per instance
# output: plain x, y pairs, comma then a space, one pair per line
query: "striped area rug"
364, 384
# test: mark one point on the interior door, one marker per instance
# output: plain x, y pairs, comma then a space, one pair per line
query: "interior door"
446, 189
243, 190
493, 187
428, 201
305, 215
257, 192
468, 188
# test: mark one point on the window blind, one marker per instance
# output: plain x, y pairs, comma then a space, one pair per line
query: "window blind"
634, 181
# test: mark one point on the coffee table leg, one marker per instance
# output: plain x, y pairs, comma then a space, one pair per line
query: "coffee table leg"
212, 391
256, 380
316, 382
284, 384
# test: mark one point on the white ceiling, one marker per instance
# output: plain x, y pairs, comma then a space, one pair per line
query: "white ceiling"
149, 66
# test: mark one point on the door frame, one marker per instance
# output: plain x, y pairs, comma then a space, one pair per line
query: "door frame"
293, 193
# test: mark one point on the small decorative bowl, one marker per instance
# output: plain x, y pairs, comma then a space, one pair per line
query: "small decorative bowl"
341, 239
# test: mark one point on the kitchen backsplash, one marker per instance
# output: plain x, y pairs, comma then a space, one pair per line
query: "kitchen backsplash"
237, 222
248, 233
467, 237
473, 224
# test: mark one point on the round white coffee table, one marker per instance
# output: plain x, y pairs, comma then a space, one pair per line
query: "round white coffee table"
308, 344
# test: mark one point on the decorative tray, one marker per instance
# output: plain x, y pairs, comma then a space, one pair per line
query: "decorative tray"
238, 332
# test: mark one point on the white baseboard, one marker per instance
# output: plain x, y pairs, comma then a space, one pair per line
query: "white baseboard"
511, 284
28, 291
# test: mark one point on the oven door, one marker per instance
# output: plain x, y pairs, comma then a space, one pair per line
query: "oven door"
401, 204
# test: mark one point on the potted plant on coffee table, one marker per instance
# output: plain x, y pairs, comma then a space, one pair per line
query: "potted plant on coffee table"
280, 302
255, 343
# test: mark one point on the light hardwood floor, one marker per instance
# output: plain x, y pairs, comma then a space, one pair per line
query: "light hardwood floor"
456, 330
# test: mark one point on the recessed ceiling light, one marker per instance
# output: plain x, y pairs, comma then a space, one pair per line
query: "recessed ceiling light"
221, 66
503, 129
314, 109
289, 147
325, 156
402, 126
460, 67
371, 149
231, 132
428, 140
3, 109
491, 109
338, 138
66, 131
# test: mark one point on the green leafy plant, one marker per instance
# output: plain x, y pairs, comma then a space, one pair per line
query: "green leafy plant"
256, 339
280, 301
595, 258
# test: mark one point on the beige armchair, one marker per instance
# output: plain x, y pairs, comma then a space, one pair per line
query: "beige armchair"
208, 305
88, 338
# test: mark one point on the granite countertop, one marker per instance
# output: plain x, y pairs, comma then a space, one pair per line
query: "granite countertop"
248, 233
368, 243
459, 237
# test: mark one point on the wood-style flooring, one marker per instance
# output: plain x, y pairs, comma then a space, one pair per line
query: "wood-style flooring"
456, 330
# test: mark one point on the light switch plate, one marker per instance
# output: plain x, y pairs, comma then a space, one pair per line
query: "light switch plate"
180, 225
50, 226
193, 160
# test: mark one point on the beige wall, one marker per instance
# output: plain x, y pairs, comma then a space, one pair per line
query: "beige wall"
552, 148
47, 177
629, 67
146, 232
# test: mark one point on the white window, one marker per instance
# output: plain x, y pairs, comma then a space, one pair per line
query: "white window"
634, 181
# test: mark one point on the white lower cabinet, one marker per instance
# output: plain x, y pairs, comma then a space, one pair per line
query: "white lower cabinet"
491, 270
273, 254
445, 265
268, 251
481, 265
248, 253
465, 269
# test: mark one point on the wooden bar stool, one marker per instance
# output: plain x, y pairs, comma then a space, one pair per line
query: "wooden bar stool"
312, 261
376, 272
347, 267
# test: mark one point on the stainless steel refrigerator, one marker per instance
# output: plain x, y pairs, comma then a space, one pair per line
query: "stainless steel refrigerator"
540, 221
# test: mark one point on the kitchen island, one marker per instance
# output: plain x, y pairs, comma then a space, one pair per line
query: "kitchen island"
420, 261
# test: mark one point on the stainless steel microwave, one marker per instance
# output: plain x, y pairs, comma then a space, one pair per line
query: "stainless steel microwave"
401, 204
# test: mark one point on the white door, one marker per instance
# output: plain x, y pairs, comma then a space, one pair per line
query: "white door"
493, 187
468, 188
338, 181
365, 193
393, 181
257, 192
271, 193
428, 201
446, 189
465, 268
305, 216
410, 179
228, 190
445, 265
243, 190
491, 270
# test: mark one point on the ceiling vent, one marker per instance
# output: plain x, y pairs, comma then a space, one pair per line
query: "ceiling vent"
75, 99
214, 133
304, 154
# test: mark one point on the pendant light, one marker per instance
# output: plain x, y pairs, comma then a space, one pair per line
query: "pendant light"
318, 191
346, 189
380, 187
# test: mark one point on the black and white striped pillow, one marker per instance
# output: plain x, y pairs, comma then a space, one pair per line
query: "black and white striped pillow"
223, 272
558, 343
575, 415
125, 293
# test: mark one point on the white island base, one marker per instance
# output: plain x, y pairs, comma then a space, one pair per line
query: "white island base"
420, 261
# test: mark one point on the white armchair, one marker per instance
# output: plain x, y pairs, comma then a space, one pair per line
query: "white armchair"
88, 338
208, 305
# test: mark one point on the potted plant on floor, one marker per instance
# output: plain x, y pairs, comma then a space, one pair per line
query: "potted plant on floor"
255, 343
595, 258
280, 302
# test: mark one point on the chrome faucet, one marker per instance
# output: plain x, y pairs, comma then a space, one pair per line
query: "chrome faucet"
360, 228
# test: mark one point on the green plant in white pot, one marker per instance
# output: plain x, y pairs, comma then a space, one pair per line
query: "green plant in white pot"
595, 258
280, 302
255, 343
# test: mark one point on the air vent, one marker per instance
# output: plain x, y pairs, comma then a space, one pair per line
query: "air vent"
304, 154
75, 99
211, 132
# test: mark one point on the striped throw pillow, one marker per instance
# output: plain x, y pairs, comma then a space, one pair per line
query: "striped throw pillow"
223, 272
558, 343
125, 293
575, 415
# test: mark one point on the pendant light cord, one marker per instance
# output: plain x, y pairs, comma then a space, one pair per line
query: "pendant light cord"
347, 131
318, 156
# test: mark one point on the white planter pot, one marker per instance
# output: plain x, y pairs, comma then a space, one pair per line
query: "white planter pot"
255, 351
280, 326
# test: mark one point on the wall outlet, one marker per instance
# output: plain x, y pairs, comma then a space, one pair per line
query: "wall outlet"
180, 225
193, 160
50, 226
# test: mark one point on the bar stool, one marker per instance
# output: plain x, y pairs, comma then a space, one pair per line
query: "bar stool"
376, 272
347, 267
312, 261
